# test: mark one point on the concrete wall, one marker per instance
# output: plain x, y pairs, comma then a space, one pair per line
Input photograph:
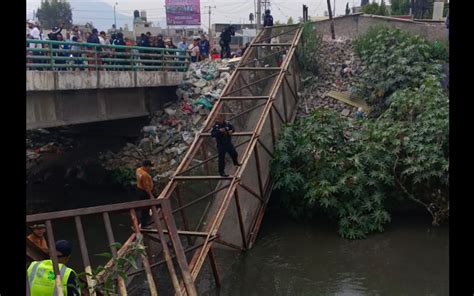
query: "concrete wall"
78, 80
352, 26
55, 108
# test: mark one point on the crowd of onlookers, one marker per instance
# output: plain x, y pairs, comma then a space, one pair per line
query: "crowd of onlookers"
73, 53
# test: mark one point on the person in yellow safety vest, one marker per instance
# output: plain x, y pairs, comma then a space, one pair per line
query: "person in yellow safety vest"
41, 277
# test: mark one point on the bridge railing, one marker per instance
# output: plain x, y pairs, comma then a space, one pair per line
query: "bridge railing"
165, 228
72, 56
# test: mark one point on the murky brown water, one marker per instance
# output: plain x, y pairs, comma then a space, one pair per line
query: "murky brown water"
291, 258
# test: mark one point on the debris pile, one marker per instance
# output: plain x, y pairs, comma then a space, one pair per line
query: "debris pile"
171, 131
40, 142
338, 69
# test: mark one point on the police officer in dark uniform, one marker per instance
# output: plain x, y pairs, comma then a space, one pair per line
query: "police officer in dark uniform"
222, 131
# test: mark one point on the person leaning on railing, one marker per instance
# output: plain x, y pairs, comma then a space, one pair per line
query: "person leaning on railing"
94, 38
119, 41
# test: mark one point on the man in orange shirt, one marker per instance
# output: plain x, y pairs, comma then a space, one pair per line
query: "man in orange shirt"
37, 236
145, 188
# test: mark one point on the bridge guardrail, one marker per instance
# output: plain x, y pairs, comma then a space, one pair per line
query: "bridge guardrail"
71, 56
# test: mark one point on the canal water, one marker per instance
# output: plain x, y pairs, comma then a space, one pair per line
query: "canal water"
294, 258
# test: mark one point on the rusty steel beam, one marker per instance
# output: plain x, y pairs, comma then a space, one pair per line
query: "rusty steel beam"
201, 198
261, 58
85, 255
199, 178
242, 134
178, 250
53, 254
244, 98
265, 148
250, 190
182, 211
241, 221
259, 172
146, 263
166, 252
250, 84
111, 239
258, 69
180, 232
212, 260
91, 210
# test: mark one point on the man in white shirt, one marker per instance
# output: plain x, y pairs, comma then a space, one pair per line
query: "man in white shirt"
34, 34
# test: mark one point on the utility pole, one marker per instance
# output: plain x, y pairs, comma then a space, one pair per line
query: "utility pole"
115, 18
210, 12
259, 15
333, 34
334, 13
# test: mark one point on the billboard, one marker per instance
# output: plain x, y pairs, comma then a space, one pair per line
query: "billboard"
183, 12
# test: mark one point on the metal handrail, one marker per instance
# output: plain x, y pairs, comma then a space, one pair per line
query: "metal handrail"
99, 57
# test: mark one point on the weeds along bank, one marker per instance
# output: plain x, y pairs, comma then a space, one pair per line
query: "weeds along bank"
350, 169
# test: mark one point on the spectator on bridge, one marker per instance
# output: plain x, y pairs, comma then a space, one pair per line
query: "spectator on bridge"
76, 53
94, 38
222, 132
37, 236
41, 277
75, 32
194, 47
119, 41
145, 189
159, 41
203, 48
183, 45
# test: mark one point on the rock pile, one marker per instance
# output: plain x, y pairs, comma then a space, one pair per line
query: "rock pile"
171, 131
338, 70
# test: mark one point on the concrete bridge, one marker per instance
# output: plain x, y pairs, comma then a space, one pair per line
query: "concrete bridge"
61, 92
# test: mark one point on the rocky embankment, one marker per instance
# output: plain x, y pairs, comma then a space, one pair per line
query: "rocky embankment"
171, 131
338, 70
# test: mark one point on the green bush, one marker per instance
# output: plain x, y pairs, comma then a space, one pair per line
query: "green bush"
394, 60
123, 176
349, 169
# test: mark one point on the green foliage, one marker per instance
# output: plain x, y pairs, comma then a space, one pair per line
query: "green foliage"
308, 49
104, 279
394, 60
326, 162
400, 7
290, 21
123, 176
382, 9
54, 13
371, 8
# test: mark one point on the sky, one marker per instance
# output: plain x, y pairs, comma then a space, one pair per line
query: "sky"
225, 11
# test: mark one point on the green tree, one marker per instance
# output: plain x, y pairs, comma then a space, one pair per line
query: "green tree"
277, 23
55, 13
371, 8
382, 9
400, 7
290, 21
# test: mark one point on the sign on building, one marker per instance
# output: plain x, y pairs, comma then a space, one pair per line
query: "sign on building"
183, 12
